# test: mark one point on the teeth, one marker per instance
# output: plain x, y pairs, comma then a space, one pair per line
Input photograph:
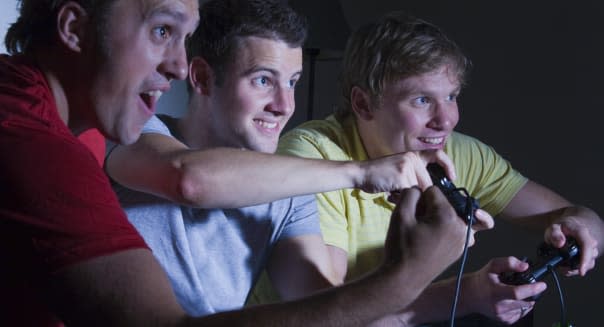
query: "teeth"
433, 140
266, 124
155, 94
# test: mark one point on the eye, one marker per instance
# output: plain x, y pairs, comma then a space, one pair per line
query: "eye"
161, 32
452, 97
292, 83
262, 81
421, 101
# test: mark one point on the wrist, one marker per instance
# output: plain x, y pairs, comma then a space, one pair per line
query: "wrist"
356, 171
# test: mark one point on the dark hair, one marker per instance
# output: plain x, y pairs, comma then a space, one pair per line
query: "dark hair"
36, 25
395, 47
224, 22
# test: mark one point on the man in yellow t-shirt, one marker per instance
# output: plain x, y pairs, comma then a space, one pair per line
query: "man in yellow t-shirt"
401, 77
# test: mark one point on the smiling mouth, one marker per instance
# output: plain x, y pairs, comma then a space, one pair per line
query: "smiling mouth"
265, 124
432, 140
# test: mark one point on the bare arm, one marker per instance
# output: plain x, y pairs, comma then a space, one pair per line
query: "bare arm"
300, 266
539, 208
163, 166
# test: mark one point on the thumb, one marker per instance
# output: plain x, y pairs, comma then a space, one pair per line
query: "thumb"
401, 220
404, 214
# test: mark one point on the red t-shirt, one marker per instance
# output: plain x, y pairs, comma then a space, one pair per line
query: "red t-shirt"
95, 142
56, 205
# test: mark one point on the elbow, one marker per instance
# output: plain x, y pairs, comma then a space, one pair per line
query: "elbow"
191, 188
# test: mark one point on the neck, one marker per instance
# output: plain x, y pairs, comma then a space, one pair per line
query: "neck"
193, 128
56, 76
366, 139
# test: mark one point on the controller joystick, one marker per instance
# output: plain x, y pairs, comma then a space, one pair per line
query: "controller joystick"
548, 257
453, 194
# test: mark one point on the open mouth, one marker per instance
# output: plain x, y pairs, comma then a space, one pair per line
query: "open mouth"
150, 98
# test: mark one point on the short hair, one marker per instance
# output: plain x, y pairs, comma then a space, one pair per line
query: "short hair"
224, 22
396, 46
36, 25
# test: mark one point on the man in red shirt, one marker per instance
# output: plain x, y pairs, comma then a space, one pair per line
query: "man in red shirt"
67, 251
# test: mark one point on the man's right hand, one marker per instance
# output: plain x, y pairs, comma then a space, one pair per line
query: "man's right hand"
402, 170
425, 232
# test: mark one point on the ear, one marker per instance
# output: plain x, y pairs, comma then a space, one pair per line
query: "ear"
361, 103
201, 76
71, 25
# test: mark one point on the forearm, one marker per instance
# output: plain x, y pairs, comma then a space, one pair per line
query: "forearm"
435, 303
354, 304
225, 177
573, 215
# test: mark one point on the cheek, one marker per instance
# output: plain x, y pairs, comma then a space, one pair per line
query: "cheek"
407, 123
455, 117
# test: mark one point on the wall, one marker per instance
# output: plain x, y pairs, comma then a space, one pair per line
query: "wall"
8, 14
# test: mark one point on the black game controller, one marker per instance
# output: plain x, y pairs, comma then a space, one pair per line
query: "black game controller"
548, 257
457, 200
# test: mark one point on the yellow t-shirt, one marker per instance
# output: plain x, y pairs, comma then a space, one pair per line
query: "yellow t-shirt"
357, 221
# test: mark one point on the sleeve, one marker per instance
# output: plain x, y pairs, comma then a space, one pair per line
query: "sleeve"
56, 199
302, 218
156, 125
331, 205
486, 174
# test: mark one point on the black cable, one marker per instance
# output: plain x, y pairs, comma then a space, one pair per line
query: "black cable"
551, 269
469, 215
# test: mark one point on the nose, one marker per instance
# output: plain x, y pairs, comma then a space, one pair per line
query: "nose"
283, 102
174, 64
445, 116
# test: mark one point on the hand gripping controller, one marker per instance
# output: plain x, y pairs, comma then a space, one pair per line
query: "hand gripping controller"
548, 257
453, 194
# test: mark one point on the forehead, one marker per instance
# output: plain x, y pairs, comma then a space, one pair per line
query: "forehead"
186, 9
261, 52
443, 79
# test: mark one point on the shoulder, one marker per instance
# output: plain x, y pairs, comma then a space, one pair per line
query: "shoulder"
323, 139
462, 146
161, 124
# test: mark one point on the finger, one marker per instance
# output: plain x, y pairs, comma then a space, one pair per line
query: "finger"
507, 264
421, 173
570, 272
588, 246
555, 236
472, 239
528, 290
483, 220
443, 159
405, 211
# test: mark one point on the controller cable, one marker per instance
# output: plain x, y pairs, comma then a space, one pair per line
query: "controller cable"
563, 323
469, 219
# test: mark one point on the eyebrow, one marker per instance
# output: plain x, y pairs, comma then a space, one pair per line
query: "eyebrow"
274, 72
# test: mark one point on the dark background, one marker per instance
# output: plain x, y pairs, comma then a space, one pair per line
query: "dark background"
534, 94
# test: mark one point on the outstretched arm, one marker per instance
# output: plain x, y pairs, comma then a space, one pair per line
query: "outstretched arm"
230, 178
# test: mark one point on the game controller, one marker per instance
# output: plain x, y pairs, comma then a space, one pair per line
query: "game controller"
548, 257
453, 194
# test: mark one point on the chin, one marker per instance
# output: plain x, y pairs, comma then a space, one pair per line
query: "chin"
129, 137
